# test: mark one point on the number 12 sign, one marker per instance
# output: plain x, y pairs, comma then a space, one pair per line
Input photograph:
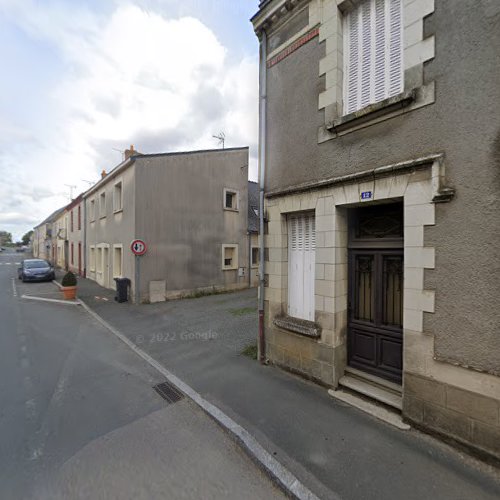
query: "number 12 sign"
138, 247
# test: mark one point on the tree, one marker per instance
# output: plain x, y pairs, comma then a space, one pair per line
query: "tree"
5, 238
27, 237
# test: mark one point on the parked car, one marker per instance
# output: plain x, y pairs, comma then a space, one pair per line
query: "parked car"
35, 270
20, 250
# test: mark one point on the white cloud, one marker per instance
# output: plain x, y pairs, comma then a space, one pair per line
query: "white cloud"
132, 77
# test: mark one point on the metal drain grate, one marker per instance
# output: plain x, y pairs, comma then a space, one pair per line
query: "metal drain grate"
168, 392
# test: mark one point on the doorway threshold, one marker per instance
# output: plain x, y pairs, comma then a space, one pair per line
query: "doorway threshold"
373, 387
381, 412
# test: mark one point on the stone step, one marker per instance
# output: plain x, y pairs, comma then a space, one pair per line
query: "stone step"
396, 388
373, 391
382, 413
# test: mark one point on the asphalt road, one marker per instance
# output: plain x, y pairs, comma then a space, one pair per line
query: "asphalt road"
328, 445
79, 417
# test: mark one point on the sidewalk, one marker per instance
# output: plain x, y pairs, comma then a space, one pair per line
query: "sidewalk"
329, 446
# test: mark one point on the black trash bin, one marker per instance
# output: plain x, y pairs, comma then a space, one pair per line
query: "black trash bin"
122, 287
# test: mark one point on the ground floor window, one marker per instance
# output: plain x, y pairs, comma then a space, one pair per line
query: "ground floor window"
255, 256
301, 264
92, 258
229, 257
117, 261
99, 260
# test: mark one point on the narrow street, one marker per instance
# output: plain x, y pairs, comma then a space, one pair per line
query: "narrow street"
80, 419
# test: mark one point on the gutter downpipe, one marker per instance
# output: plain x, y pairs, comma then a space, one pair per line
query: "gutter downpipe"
262, 176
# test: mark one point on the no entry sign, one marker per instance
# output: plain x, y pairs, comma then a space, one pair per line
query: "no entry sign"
138, 247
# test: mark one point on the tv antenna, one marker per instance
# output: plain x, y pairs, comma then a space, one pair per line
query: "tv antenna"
119, 151
71, 187
90, 183
221, 138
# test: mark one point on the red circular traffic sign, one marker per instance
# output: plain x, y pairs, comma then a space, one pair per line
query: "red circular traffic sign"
138, 247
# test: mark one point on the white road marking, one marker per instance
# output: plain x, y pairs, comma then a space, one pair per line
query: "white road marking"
14, 287
56, 301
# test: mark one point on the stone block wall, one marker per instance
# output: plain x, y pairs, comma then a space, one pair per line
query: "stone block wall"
465, 416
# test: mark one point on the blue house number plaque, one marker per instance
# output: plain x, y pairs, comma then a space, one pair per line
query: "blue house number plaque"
366, 195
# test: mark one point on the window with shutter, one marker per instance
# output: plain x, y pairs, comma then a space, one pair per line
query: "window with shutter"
301, 262
373, 53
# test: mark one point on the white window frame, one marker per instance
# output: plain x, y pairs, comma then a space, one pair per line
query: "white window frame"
92, 211
118, 207
98, 259
301, 265
236, 195
381, 69
234, 265
102, 206
92, 258
115, 274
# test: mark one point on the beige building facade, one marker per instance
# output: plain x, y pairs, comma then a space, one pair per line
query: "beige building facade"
44, 237
75, 232
375, 281
189, 208
60, 240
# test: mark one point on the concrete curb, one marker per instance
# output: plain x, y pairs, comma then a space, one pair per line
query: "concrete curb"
57, 284
56, 301
289, 483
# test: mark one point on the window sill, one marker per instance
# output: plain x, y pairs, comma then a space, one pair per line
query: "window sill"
372, 111
118, 211
231, 209
102, 217
229, 268
300, 326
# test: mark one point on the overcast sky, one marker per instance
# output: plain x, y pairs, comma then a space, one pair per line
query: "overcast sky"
81, 79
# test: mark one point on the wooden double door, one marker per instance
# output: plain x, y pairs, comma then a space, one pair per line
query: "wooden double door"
375, 327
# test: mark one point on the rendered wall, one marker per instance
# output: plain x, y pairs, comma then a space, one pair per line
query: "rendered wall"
179, 212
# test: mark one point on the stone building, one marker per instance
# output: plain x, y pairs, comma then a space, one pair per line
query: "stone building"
75, 247
381, 153
44, 237
191, 211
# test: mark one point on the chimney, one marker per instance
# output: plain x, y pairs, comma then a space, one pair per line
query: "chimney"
103, 174
130, 152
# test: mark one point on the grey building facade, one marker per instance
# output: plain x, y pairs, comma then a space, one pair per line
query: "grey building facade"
382, 161
189, 208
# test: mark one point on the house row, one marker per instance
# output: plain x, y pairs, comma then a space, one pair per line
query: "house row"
380, 153
196, 212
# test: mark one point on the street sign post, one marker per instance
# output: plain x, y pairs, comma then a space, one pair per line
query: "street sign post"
139, 248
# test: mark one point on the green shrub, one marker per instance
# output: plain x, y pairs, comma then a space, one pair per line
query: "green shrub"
251, 351
69, 279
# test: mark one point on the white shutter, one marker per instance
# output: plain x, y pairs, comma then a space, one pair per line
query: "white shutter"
374, 53
301, 266
351, 80
380, 76
395, 83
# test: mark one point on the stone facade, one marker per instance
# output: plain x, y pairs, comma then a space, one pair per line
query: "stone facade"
413, 149
175, 202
